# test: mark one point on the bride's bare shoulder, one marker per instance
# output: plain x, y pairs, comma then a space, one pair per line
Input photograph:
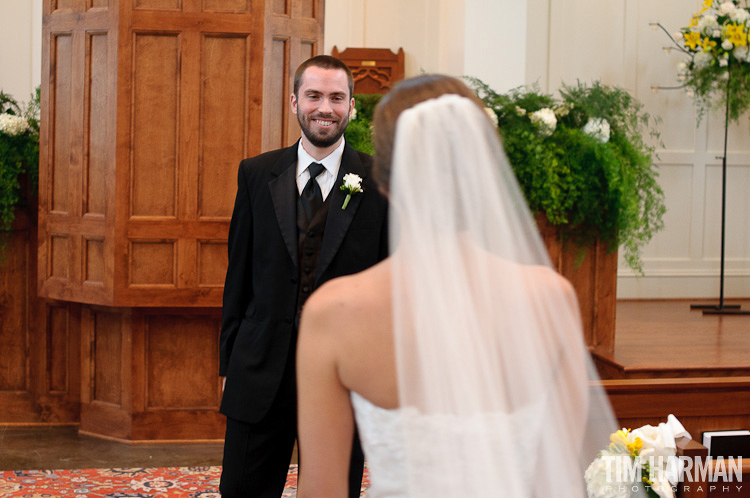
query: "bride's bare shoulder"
348, 299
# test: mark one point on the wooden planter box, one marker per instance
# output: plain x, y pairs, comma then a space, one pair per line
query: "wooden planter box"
39, 345
594, 279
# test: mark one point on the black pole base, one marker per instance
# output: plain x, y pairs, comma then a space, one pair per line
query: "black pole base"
715, 307
725, 311
720, 309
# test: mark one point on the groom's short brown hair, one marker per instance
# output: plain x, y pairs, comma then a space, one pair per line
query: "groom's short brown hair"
325, 62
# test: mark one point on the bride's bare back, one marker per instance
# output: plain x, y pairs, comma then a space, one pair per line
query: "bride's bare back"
354, 314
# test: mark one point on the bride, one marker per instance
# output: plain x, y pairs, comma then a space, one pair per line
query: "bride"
461, 355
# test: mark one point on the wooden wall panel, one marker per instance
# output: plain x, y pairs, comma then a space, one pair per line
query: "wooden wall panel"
107, 358
280, 7
181, 362
276, 112
152, 263
224, 73
58, 342
59, 248
99, 4
212, 263
93, 261
226, 5
307, 49
307, 8
96, 167
156, 82
61, 120
158, 4
14, 339
62, 4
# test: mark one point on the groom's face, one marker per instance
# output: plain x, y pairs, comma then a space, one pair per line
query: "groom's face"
322, 105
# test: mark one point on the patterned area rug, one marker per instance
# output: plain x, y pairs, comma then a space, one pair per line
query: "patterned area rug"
188, 482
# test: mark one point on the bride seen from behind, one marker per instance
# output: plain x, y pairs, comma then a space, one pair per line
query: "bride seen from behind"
461, 355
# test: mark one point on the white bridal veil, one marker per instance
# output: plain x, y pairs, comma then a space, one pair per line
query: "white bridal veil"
493, 371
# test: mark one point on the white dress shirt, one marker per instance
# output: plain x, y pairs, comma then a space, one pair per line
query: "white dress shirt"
331, 164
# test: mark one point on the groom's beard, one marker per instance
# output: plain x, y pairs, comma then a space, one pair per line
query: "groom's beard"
324, 138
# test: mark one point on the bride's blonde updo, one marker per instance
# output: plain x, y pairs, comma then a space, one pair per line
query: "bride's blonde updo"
405, 95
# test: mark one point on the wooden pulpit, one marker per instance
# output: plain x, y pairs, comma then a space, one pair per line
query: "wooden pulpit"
375, 70
148, 106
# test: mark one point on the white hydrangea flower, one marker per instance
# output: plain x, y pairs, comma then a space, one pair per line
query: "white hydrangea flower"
727, 45
546, 121
597, 128
702, 59
739, 16
12, 125
708, 24
742, 53
727, 8
520, 111
716, 33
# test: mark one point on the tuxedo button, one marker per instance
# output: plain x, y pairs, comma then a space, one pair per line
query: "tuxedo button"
311, 234
305, 289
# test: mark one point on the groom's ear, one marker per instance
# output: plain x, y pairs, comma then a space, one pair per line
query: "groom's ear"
293, 103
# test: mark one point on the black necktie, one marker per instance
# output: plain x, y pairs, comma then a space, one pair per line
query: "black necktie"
312, 196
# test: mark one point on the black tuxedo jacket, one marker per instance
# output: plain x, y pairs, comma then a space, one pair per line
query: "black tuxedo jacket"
261, 287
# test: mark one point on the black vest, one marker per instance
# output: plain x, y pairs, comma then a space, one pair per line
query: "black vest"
309, 243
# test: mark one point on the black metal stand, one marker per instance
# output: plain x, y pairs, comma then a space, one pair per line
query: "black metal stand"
721, 308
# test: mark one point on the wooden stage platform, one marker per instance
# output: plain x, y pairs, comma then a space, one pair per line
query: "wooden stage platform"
671, 359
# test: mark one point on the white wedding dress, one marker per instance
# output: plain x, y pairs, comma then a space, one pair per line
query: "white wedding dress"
382, 434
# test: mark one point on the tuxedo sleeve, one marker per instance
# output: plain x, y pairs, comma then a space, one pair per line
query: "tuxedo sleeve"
384, 238
238, 283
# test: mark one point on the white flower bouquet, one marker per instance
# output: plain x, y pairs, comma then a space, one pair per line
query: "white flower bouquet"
639, 461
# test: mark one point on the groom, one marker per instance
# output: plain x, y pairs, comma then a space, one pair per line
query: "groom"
289, 235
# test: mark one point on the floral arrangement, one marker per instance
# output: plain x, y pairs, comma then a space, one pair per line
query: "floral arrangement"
581, 160
649, 450
718, 69
19, 152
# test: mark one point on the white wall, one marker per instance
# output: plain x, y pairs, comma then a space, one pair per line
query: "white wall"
20, 47
481, 38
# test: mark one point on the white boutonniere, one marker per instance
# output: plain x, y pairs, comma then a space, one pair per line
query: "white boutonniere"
352, 185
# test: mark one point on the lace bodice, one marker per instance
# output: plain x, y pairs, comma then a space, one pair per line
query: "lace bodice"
382, 434
382, 438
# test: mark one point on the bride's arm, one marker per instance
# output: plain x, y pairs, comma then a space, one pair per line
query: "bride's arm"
326, 421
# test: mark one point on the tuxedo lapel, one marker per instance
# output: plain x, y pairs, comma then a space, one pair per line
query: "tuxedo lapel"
284, 195
338, 220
